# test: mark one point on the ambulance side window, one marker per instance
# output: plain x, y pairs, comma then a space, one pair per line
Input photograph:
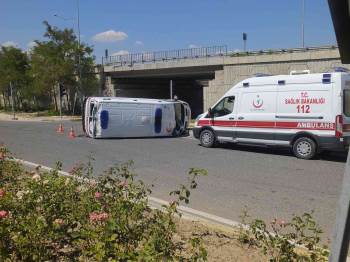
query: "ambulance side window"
224, 107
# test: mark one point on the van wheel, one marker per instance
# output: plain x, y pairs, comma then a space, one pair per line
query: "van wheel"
207, 138
304, 148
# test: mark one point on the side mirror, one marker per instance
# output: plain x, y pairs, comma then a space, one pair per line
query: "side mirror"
210, 112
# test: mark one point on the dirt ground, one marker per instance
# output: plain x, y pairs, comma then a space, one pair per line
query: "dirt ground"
221, 243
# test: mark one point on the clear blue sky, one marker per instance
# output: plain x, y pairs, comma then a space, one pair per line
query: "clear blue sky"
152, 25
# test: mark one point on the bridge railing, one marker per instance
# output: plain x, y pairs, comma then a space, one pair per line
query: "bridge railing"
151, 57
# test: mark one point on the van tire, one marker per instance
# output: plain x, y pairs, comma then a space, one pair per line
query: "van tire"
304, 148
207, 138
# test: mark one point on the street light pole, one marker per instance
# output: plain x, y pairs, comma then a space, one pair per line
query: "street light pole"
302, 23
79, 59
77, 24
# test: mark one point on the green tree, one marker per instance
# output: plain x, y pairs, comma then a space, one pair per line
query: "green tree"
13, 69
56, 61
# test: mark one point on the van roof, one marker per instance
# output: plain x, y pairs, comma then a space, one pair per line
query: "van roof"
133, 100
287, 79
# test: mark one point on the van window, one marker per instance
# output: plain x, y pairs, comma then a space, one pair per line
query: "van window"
92, 106
224, 107
346, 102
158, 121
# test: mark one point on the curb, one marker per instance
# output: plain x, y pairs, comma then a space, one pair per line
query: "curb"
156, 203
20, 118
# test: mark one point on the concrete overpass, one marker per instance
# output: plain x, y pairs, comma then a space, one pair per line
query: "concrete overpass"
202, 75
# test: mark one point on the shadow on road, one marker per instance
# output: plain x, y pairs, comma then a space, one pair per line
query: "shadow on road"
325, 156
137, 138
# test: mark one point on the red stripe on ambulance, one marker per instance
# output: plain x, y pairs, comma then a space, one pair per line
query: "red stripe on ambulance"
270, 124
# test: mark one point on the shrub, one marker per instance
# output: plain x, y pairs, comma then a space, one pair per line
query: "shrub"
46, 216
282, 241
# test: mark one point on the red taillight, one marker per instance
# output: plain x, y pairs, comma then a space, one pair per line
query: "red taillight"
339, 126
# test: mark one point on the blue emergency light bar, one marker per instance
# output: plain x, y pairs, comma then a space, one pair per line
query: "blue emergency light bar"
341, 69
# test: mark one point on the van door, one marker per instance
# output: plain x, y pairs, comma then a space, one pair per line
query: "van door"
223, 118
256, 116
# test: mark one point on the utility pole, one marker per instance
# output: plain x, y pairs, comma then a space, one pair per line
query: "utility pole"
13, 102
77, 20
171, 89
302, 23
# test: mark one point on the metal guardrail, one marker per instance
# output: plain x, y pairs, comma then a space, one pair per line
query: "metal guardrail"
151, 57
191, 53
281, 51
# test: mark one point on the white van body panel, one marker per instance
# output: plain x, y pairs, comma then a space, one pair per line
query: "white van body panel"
273, 110
134, 117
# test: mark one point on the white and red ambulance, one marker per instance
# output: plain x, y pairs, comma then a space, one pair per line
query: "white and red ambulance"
307, 112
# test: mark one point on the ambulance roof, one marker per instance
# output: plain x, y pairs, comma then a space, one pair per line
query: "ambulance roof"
133, 100
287, 79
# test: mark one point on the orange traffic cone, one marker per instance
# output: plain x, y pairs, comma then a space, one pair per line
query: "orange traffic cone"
60, 129
71, 133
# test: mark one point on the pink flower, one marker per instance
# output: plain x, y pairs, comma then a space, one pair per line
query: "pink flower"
3, 213
2, 192
278, 222
36, 177
75, 169
97, 217
282, 223
59, 221
123, 184
98, 195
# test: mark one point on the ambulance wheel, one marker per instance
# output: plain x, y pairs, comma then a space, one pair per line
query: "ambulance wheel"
207, 138
304, 148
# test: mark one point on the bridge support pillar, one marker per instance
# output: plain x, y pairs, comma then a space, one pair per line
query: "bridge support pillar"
109, 89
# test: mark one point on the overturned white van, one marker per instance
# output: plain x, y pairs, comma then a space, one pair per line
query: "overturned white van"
307, 112
107, 117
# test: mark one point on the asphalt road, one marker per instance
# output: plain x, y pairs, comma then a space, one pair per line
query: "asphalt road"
269, 182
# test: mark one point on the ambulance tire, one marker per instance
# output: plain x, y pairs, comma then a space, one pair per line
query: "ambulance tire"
207, 138
304, 148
